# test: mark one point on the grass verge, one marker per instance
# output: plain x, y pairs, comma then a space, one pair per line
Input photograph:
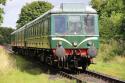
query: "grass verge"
109, 61
15, 69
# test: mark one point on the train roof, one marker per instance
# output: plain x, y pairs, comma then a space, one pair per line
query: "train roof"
73, 7
64, 8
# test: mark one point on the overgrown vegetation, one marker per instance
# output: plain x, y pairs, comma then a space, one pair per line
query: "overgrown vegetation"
109, 50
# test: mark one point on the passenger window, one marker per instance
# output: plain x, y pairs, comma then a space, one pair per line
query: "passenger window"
42, 30
45, 26
39, 28
30, 31
33, 30
36, 28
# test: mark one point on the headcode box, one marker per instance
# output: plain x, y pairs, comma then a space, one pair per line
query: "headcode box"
72, 7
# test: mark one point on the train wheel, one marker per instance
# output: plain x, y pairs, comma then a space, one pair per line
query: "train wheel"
50, 60
60, 64
42, 58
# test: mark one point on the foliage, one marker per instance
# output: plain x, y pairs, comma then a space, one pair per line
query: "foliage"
111, 55
2, 2
111, 17
109, 50
31, 11
111, 22
5, 35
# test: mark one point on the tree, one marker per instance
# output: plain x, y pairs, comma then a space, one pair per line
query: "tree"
2, 2
112, 23
31, 11
111, 17
5, 33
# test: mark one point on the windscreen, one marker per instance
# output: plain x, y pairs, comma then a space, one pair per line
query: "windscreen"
89, 24
60, 24
75, 24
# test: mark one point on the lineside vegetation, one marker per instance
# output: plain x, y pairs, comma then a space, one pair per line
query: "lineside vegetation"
15, 69
111, 57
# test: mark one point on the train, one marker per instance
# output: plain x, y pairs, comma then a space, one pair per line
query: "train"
65, 36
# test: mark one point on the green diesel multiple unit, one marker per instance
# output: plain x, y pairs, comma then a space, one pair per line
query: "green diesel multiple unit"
67, 36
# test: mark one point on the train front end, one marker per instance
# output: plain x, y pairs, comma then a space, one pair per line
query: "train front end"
74, 38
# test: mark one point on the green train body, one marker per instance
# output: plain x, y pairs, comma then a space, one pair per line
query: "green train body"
62, 33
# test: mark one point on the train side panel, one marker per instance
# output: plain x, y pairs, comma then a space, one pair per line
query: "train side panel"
37, 35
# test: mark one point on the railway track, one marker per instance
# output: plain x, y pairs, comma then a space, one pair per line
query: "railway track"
80, 76
104, 77
91, 77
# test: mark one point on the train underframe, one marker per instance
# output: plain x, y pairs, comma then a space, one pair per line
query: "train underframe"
47, 56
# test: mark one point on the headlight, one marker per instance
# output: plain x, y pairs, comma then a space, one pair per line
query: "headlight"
89, 43
75, 44
60, 43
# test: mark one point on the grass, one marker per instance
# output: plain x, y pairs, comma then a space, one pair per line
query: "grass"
112, 68
6, 62
15, 69
109, 61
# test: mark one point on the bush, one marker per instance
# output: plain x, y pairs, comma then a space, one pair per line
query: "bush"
110, 49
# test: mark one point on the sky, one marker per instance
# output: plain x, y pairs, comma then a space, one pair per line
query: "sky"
12, 9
